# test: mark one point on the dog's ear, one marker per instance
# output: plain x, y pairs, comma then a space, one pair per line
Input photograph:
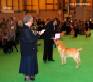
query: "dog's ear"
55, 40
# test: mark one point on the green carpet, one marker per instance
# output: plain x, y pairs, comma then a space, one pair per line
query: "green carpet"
53, 71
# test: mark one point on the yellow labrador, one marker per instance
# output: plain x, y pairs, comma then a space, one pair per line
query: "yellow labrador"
68, 52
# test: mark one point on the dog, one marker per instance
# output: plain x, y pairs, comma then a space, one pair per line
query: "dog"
68, 52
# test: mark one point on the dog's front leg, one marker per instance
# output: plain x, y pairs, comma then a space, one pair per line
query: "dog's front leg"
62, 58
78, 63
77, 60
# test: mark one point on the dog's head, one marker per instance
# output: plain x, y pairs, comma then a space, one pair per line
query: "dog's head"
58, 43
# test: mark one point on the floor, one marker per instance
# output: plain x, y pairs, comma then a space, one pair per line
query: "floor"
53, 71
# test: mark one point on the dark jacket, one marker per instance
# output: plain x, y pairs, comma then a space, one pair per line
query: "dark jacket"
28, 41
49, 30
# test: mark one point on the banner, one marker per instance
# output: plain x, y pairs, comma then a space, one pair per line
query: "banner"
7, 10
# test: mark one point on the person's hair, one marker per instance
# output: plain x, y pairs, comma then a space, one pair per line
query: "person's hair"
27, 18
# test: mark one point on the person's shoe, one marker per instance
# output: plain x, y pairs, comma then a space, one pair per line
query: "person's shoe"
44, 61
32, 78
27, 79
51, 60
17, 50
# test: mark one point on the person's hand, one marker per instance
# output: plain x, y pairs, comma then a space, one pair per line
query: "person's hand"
41, 32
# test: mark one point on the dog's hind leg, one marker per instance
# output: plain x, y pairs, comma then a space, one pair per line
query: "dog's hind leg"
77, 60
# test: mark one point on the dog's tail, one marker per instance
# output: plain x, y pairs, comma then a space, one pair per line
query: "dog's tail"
79, 49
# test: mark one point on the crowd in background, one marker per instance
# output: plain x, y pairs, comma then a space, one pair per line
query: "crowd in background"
10, 29
8, 34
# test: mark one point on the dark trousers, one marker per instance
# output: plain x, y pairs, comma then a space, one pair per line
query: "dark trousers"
76, 33
48, 49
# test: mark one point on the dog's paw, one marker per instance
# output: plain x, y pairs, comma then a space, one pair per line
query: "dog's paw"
62, 63
77, 67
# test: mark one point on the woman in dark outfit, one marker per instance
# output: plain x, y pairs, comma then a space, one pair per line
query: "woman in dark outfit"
28, 48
